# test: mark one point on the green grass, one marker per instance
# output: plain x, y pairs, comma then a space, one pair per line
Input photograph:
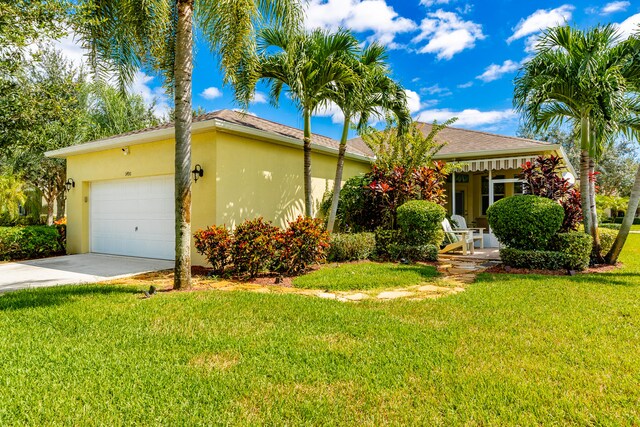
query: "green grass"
365, 275
511, 350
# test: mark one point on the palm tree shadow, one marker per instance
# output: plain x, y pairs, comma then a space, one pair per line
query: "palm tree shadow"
58, 295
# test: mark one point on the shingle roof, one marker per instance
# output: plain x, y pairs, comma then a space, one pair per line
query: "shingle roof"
462, 141
257, 123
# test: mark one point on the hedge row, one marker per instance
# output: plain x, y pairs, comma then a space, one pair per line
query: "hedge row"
36, 241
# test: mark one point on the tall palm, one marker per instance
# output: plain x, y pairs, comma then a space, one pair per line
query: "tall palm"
580, 78
123, 35
310, 65
371, 93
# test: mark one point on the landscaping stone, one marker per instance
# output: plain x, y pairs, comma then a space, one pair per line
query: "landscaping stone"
356, 297
394, 294
326, 295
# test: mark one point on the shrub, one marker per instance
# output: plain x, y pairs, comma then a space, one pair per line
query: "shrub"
351, 247
254, 246
618, 220
576, 247
610, 226
607, 237
29, 242
542, 178
305, 241
525, 258
525, 222
385, 239
426, 252
421, 223
215, 244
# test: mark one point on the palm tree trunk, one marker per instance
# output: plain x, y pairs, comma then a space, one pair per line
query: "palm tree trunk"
627, 222
308, 200
584, 175
337, 183
597, 248
183, 75
61, 203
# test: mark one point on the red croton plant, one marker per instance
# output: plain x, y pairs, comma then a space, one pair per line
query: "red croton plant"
390, 188
543, 178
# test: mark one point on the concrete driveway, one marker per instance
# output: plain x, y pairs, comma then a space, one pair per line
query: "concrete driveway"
74, 269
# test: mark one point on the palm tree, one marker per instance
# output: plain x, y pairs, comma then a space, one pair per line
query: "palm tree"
123, 35
580, 78
310, 65
371, 93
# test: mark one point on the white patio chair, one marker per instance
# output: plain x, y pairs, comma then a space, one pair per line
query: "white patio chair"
462, 226
456, 239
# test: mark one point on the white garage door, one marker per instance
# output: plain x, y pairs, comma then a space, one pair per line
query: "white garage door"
133, 217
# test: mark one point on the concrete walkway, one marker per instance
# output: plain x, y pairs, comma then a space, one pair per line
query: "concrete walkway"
74, 269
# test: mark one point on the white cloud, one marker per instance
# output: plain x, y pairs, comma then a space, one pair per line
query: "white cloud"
259, 98
467, 117
465, 85
495, 71
629, 25
211, 93
447, 34
430, 3
156, 96
614, 6
331, 110
413, 101
540, 20
71, 49
436, 90
360, 16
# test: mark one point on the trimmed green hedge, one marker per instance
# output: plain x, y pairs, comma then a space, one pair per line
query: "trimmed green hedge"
351, 247
607, 237
525, 222
619, 219
568, 251
36, 241
539, 260
576, 247
413, 252
421, 222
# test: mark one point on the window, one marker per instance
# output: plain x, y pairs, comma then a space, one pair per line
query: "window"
498, 192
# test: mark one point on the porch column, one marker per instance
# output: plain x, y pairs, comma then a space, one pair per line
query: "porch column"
453, 193
490, 186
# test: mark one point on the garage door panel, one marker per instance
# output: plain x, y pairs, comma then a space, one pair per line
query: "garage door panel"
133, 217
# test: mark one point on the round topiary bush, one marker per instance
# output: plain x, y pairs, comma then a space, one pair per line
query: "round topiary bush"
525, 222
421, 222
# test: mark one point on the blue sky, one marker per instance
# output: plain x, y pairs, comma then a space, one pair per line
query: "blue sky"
455, 57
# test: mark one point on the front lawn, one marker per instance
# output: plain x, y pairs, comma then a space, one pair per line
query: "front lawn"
511, 350
365, 276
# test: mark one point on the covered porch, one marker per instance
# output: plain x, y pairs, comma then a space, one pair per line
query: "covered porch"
478, 183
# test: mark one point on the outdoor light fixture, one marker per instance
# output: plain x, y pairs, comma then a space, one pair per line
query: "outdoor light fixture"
70, 184
197, 172
125, 150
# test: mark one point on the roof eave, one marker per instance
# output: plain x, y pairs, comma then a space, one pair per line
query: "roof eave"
198, 127
496, 153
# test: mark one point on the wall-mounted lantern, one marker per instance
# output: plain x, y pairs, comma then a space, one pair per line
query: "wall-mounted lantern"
197, 172
70, 184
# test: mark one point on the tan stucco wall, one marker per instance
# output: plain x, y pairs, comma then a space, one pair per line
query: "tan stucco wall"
244, 178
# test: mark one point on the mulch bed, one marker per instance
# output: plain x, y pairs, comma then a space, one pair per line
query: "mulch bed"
501, 269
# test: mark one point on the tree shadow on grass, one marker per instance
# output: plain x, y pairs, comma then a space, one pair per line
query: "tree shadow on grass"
58, 295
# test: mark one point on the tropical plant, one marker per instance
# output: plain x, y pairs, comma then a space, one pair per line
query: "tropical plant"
371, 93
122, 35
542, 178
410, 149
12, 195
312, 66
579, 77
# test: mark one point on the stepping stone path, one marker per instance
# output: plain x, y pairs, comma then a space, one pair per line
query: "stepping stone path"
456, 275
